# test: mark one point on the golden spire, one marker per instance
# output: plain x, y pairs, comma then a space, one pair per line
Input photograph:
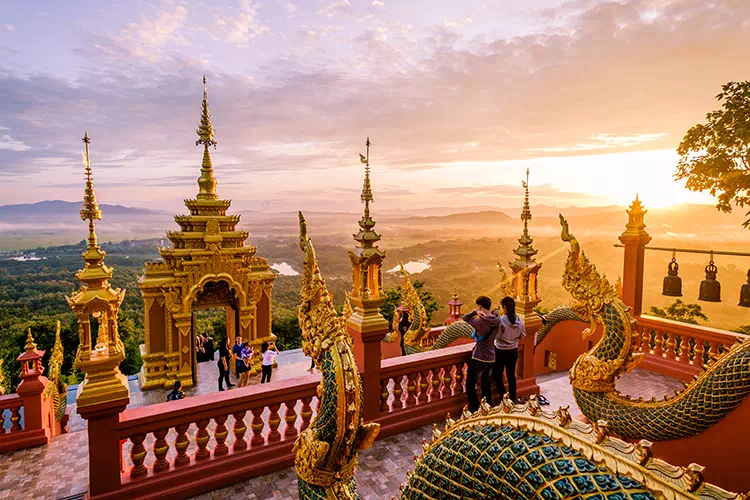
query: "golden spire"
635, 225
525, 250
94, 272
207, 181
90, 210
366, 236
30, 345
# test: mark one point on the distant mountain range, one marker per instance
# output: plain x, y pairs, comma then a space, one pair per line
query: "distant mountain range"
58, 222
59, 208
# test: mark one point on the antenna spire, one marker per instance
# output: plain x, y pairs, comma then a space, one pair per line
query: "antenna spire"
207, 181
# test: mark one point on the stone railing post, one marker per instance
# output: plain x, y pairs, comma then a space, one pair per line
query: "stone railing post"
454, 309
635, 238
36, 410
368, 328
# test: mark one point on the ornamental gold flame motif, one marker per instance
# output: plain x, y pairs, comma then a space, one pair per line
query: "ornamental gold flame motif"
720, 388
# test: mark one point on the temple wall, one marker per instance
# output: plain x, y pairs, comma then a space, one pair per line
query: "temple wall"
157, 327
562, 346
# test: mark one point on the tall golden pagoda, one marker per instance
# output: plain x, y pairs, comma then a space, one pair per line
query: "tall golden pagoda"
208, 266
366, 325
525, 268
99, 358
367, 259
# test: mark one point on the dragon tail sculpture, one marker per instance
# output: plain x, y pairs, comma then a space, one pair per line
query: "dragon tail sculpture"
326, 452
719, 389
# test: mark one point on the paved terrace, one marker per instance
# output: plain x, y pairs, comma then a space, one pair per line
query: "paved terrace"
60, 469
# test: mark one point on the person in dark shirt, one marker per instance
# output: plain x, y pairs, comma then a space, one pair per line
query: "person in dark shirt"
223, 363
403, 326
176, 392
486, 324
208, 346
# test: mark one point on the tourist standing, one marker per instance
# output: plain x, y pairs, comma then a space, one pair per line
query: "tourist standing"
512, 330
239, 363
486, 324
269, 356
176, 392
403, 326
223, 363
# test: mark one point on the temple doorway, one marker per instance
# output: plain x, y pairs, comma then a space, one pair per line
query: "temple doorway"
213, 318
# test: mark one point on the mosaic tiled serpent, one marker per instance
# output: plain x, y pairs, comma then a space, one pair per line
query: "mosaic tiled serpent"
718, 390
508, 452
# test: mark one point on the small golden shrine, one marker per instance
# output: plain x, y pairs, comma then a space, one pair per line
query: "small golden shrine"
208, 266
96, 305
367, 264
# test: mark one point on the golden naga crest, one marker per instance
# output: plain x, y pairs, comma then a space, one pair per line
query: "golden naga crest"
590, 290
412, 304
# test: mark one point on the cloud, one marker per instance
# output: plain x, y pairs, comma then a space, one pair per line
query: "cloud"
377, 3
7, 142
239, 28
604, 141
335, 8
7, 27
601, 80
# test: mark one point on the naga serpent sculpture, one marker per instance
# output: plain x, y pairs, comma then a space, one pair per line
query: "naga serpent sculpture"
56, 389
510, 452
417, 337
326, 452
719, 389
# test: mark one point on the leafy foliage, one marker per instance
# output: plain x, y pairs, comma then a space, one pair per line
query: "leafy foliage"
393, 299
715, 156
288, 333
744, 329
680, 311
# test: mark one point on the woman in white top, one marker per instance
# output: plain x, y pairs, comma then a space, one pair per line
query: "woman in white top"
506, 347
269, 355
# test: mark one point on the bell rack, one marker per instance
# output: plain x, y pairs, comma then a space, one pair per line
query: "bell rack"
688, 250
710, 289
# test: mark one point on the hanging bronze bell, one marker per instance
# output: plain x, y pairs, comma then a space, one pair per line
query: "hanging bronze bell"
710, 288
672, 283
745, 292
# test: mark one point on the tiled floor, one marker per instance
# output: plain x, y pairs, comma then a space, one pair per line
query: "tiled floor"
61, 468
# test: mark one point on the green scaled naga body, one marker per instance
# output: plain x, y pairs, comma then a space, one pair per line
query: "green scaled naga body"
718, 390
326, 452
522, 452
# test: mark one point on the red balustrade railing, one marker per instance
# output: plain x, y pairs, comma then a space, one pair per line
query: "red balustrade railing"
15, 433
199, 444
206, 442
422, 388
679, 349
10, 411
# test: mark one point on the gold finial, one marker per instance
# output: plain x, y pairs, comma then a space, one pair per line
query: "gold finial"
367, 237
525, 251
30, 345
90, 210
206, 182
205, 130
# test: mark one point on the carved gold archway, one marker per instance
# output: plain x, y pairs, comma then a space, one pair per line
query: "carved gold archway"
207, 248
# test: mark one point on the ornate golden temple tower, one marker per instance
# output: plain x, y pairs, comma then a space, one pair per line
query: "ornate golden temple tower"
525, 268
366, 325
99, 353
208, 266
